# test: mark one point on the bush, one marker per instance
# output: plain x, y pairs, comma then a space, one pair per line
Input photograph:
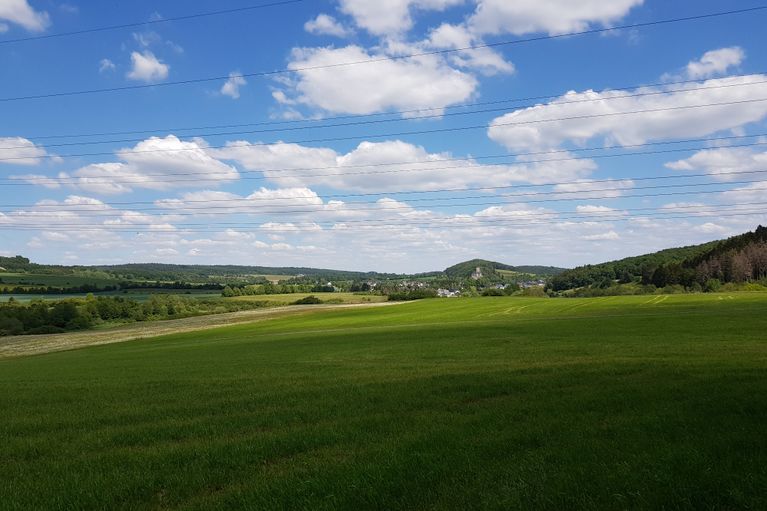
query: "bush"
493, 292
535, 292
10, 326
79, 323
713, 285
416, 294
309, 300
673, 289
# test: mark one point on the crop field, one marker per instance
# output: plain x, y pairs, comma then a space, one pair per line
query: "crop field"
325, 297
641, 402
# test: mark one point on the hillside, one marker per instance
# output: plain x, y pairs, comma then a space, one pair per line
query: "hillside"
490, 269
202, 273
737, 259
158, 271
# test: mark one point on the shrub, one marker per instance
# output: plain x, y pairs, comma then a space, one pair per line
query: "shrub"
308, 300
416, 294
713, 285
535, 292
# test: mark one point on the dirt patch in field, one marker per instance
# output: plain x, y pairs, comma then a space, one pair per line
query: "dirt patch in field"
22, 345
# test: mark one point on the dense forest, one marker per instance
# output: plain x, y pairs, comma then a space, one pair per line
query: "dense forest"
740, 259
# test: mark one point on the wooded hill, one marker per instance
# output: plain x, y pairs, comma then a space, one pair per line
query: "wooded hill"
490, 268
161, 272
742, 258
192, 273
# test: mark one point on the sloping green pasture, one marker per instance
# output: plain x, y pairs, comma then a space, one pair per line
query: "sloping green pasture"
644, 402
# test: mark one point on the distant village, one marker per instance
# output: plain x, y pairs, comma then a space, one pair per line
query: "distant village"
477, 283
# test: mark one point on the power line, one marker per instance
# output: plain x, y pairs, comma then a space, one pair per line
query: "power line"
150, 22
398, 226
405, 112
139, 179
707, 208
397, 192
392, 58
404, 133
325, 210
381, 121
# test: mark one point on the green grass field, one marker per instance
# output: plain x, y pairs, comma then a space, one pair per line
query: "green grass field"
648, 402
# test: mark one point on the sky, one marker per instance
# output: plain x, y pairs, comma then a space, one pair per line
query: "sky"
398, 136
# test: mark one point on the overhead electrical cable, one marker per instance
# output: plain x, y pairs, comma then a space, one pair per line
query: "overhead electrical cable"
397, 192
293, 225
406, 113
401, 133
150, 22
585, 195
140, 179
508, 224
382, 121
394, 57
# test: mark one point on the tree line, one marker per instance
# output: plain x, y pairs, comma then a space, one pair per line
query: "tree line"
41, 289
43, 317
740, 259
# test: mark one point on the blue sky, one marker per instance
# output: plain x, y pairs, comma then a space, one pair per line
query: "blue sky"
181, 188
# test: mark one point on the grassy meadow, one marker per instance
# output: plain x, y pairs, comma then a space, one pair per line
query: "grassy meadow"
641, 402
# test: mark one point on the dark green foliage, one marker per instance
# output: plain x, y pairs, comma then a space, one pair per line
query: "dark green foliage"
16, 263
713, 285
738, 259
539, 270
308, 300
270, 288
198, 273
465, 269
40, 317
412, 294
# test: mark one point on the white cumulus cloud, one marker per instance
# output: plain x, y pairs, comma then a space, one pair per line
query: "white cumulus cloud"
715, 62
146, 67
20, 151
724, 161
391, 17
156, 163
551, 16
232, 86
324, 24
21, 13
660, 113
413, 83
391, 165
453, 37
